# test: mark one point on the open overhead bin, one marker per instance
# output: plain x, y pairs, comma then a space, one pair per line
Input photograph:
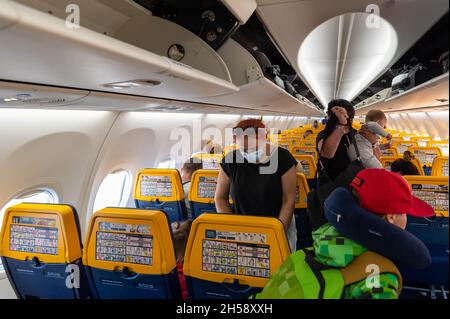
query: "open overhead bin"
39, 48
431, 94
241, 9
167, 38
255, 90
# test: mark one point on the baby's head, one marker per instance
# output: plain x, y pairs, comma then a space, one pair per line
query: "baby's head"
388, 195
377, 116
307, 133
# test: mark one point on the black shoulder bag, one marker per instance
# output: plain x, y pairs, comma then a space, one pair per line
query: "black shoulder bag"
316, 197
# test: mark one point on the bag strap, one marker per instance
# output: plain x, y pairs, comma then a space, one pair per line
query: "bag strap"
316, 267
356, 271
323, 171
353, 140
322, 167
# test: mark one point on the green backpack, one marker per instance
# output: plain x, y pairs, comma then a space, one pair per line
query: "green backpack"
303, 277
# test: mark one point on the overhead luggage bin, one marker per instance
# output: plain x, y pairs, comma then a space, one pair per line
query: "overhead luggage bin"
256, 91
433, 93
241, 9
39, 48
175, 42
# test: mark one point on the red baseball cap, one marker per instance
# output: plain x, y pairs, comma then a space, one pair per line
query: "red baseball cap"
383, 192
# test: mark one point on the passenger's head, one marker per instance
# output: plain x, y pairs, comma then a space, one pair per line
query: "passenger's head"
404, 167
388, 195
307, 133
276, 131
212, 147
189, 167
408, 156
249, 134
377, 116
316, 124
348, 106
180, 231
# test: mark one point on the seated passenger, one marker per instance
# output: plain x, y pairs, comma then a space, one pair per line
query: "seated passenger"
408, 156
260, 178
189, 167
212, 147
180, 231
367, 144
296, 278
404, 167
307, 133
316, 124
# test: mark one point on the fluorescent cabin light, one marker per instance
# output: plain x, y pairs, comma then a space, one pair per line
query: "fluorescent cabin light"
132, 84
10, 99
343, 55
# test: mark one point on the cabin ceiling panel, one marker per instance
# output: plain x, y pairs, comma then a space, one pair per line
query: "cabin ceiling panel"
290, 22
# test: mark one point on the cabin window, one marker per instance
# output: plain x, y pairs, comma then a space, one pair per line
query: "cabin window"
114, 190
40, 195
169, 163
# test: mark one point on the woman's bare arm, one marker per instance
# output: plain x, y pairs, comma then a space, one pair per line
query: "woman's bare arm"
328, 146
288, 184
222, 195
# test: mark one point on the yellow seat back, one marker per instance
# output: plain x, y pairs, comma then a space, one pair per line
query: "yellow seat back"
209, 161
440, 167
306, 150
237, 250
306, 165
425, 155
302, 190
433, 190
402, 146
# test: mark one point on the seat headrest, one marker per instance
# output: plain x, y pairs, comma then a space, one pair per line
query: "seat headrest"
49, 232
158, 184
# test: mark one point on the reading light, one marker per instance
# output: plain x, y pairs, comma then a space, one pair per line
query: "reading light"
176, 52
132, 84
10, 99
343, 55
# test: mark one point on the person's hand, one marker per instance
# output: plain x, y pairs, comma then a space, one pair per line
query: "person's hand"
341, 114
372, 138
344, 129
386, 146
377, 152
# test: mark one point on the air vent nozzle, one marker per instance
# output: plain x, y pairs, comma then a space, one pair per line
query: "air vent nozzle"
45, 101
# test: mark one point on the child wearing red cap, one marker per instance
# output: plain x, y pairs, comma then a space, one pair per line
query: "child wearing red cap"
338, 267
